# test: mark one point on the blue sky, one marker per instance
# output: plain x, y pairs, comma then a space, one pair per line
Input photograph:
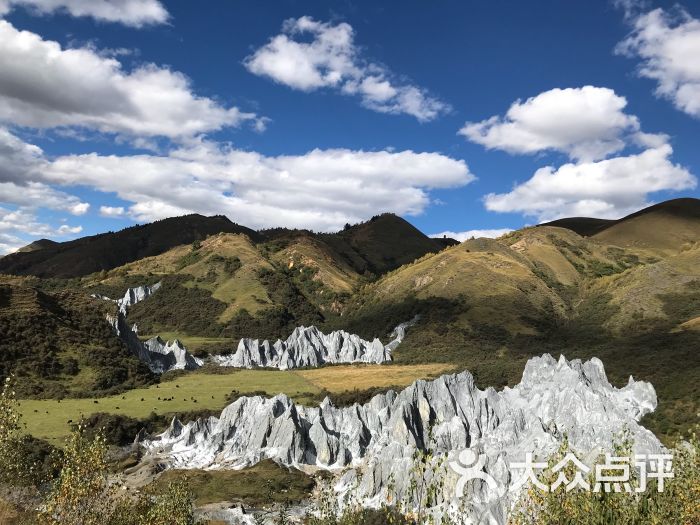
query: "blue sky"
459, 116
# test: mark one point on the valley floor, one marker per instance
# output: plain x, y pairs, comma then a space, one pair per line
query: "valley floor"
207, 389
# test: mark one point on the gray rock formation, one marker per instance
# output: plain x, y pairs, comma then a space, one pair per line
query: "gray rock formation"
132, 296
136, 295
309, 347
160, 356
370, 447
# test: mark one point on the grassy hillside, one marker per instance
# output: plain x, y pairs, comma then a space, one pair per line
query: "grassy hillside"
489, 305
109, 250
662, 229
383, 243
627, 294
58, 344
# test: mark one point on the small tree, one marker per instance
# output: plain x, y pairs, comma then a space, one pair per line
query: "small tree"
81, 495
17, 467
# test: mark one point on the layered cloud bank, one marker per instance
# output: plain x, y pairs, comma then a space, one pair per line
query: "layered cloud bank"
136, 13
322, 189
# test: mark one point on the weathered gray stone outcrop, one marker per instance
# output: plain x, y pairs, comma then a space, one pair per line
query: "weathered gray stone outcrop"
160, 356
309, 347
132, 296
370, 446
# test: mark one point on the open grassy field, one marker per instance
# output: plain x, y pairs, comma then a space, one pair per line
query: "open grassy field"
207, 389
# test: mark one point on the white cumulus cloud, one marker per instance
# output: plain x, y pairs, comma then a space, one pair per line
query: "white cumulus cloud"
608, 188
135, 13
19, 226
112, 211
668, 45
586, 123
43, 85
466, 235
332, 60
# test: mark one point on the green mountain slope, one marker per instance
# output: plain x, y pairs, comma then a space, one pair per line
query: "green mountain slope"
58, 344
627, 294
109, 250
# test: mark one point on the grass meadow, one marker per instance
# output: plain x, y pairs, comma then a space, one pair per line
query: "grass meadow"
51, 419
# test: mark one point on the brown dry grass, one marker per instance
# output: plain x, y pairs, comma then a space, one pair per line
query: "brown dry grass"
361, 377
332, 271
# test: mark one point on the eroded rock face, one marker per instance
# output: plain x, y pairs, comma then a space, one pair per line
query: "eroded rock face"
176, 356
371, 446
136, 295
160, 356
132, 296
309, 347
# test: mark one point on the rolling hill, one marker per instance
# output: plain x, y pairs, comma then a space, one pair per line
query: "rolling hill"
376, 246
629, 294
663, 228
109, 250
37, 245
584, 226
58, 344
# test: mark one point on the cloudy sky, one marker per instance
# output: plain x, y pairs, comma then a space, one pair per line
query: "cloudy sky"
471, 118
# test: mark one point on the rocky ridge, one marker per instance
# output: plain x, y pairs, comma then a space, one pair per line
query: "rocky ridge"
132, 296
370, 447
159, 355
309, 347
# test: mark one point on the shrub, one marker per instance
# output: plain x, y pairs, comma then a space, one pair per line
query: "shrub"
678, 503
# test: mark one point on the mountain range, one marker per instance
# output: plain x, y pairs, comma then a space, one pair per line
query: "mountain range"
626, 291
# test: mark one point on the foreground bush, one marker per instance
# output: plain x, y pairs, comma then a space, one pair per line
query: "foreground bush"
677, 504
82, 493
